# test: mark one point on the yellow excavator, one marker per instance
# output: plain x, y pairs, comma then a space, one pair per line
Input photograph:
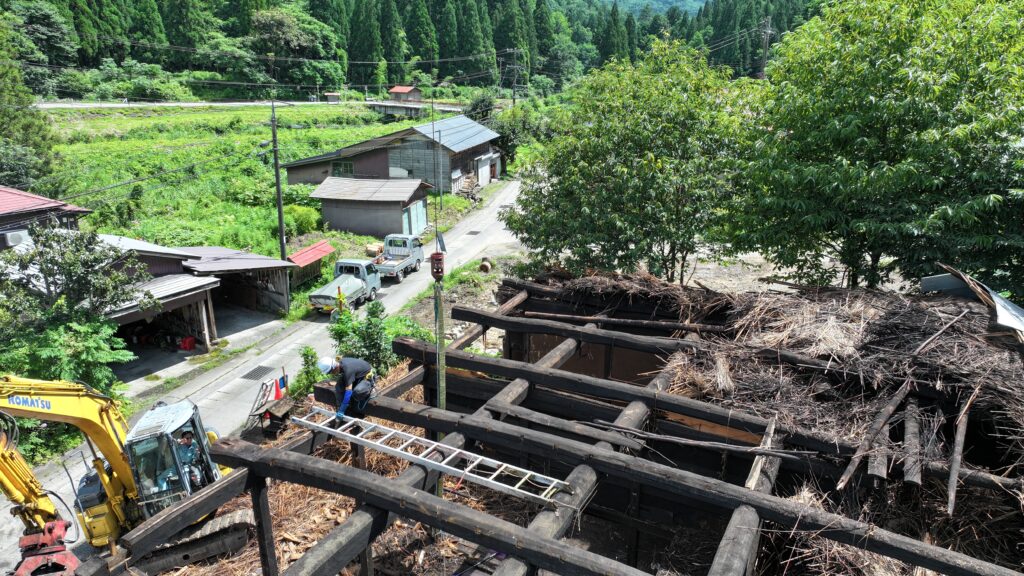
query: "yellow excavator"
136, 473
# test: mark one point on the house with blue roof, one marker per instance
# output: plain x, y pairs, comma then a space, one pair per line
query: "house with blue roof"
453, 154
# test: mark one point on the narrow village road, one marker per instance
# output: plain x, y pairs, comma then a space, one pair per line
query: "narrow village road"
225, 397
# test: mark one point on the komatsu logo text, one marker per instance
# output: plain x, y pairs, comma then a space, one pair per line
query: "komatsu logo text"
26, 402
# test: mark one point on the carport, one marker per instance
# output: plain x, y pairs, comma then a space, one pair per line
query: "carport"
248, 280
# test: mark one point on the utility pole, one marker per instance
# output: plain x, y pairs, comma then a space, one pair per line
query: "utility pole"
277, 181
765, 41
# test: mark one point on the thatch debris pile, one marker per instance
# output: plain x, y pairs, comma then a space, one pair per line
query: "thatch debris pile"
854, 366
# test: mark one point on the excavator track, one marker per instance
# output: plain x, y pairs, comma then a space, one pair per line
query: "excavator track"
225, 534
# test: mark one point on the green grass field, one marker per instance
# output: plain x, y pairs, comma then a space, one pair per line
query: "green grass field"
202, 177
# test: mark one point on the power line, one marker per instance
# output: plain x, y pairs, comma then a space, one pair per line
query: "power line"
194, 50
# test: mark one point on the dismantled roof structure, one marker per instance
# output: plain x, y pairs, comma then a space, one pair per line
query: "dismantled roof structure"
811, 431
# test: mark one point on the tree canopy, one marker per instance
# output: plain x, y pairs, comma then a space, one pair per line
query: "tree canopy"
890, 137
638, 160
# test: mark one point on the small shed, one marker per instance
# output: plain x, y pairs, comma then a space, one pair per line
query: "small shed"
405, 94
333, 97
309, 261
374, 207
250, 280
19, 210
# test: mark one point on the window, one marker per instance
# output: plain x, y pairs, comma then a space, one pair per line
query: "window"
340, 168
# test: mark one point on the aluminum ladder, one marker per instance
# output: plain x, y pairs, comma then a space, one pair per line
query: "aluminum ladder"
462, 464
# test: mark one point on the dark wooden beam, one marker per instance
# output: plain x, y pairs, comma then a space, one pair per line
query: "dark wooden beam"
787, 513
662, 325
651, 344
621, 302
737, 551
575, 428
264, 522
400, 498
589, 385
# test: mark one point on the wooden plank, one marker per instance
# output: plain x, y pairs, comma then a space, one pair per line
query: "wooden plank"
345, 541
718, 430
650, 344
400, 498
631, 323
169, 521
879, 422
912, 443
540, 419
787, 513
737, 551
264, 522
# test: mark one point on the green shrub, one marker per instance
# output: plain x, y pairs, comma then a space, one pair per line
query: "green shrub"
305, 219
370, 338
308, 375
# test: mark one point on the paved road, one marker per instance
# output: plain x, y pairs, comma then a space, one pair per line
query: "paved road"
88, 105
225, 398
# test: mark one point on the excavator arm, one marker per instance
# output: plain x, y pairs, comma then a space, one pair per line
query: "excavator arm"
32, 505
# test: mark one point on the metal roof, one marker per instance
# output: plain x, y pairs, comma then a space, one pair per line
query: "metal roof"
216, 259
142, 247
311, 254
402, 89
14, 201
165, 288
368, 190
352, 150
162, 420
457, 133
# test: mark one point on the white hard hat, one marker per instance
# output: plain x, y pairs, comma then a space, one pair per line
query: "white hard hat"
326, 365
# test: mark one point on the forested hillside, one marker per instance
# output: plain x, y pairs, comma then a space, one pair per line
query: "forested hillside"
187, 49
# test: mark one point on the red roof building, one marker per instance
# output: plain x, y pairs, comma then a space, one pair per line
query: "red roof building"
406, 93
309, 260
20, 209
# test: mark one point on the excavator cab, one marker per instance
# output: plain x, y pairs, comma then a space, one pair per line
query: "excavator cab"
169, 452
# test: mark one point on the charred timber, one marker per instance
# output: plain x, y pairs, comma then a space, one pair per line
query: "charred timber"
880, 422
651, 344
645, 324
737, 551
400, 498
789, 514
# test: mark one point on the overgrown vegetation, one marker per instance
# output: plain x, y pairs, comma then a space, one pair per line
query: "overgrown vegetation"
205, 179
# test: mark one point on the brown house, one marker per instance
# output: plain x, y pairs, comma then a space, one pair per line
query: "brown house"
405, 94
449, 154
20, 209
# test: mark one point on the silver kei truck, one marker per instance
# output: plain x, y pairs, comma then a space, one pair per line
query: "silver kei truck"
403, 255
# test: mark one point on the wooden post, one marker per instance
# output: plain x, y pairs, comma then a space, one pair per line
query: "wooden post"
210, 314
881, 419
912, 443
737, 551
264, 524
366, 557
